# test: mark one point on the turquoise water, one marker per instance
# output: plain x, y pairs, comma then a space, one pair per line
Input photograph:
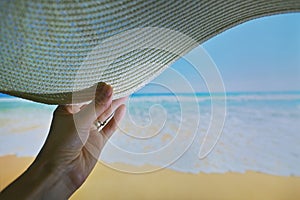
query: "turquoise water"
261, 132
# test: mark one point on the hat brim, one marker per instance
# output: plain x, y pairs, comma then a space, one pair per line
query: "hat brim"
55, 53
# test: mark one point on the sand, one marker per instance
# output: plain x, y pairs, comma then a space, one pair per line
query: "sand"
106, 183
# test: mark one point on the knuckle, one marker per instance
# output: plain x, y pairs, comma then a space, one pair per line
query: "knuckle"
102, 104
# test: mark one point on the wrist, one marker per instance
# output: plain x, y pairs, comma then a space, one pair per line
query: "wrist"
51, 179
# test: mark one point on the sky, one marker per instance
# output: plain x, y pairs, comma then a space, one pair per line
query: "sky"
258, 55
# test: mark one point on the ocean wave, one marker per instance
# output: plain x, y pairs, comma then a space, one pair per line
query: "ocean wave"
258, 136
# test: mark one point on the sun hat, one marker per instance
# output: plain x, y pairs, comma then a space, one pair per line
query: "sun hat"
51, 50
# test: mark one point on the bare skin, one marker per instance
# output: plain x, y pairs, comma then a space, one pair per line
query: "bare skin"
71, 149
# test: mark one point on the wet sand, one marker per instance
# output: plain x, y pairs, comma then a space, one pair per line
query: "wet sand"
106, 183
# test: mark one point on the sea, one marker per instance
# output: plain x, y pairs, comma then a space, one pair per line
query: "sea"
192, 133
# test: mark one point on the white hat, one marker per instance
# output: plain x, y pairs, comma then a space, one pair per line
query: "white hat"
49, 50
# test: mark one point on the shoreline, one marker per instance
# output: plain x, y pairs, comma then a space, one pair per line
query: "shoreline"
108, 183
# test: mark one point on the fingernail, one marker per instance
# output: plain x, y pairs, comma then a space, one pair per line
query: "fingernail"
103, 91
108, 90
100, 87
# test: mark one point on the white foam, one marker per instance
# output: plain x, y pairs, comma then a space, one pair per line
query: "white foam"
257, 136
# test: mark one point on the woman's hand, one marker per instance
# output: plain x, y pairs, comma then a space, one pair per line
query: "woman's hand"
71, 149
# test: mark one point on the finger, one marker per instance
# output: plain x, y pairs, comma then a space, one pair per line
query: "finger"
112, 125
94, 145
74, 108
102, 101
97, 141
111, 109
67, 109
83, 106
61, 110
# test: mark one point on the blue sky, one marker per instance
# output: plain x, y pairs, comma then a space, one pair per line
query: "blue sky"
259, 55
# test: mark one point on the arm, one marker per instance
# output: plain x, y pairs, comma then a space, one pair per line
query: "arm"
71, 149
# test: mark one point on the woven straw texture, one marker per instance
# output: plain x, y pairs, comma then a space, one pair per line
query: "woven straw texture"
50, 50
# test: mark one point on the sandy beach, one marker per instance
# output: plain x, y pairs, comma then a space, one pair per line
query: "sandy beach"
106, 183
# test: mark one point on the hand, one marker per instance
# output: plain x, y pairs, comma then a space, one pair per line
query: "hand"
71, 149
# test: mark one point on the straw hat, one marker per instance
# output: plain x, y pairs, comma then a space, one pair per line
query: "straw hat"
50, 50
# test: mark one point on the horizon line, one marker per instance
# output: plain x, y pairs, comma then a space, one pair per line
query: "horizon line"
227, 92
3, 95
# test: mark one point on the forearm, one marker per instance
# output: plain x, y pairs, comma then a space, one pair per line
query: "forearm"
71, 149
41, 180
